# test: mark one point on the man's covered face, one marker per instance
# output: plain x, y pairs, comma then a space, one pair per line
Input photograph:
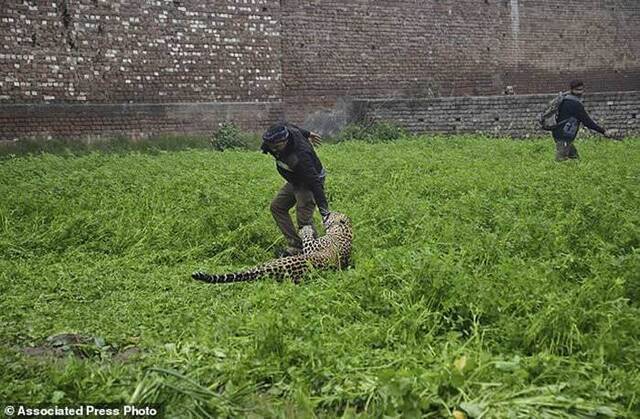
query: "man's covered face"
275, 138
578, 91
277, 146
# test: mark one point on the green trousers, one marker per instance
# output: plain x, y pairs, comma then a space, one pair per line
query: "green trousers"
566, 150
285, 199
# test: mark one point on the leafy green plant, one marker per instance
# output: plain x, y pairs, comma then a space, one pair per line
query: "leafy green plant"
489, 280
78, 147
371, 132
229, 137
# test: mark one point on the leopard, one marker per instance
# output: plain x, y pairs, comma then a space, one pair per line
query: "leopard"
331, 251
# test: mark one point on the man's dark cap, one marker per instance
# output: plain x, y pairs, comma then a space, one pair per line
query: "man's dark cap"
575, 84
275, 134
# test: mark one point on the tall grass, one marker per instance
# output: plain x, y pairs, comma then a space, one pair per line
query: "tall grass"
488, 279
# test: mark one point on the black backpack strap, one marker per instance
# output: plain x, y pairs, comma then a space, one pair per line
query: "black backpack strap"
558, 124
565, 96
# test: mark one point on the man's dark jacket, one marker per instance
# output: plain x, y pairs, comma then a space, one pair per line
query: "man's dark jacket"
299, 164
570, 114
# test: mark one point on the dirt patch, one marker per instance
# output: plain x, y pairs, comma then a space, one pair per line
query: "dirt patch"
127, 353
79, 346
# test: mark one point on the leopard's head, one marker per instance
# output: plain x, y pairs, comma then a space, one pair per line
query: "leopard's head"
337, 222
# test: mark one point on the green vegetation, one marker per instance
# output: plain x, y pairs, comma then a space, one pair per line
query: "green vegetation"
117, 145
376, 132
229, 137
488, 278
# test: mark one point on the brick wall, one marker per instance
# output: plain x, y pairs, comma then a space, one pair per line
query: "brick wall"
139, 51
306, 54
497, 115
131, 120
408, 48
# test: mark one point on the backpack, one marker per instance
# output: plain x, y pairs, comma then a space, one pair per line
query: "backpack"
548, 118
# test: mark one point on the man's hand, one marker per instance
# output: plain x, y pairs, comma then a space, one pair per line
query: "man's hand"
315, 139
613, 134
325, 216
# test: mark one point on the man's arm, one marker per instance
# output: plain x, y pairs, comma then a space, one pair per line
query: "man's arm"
314, 138
313, 181
587, 121
303, 131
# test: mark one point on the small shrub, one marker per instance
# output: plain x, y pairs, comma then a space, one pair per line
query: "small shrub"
229, 137
377, 132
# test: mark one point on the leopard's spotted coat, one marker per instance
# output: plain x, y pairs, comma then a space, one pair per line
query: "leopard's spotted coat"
332, 250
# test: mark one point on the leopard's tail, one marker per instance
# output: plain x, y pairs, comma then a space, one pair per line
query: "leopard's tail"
292, 267
226, 278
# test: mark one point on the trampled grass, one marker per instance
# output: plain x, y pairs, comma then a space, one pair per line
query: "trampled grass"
487, 278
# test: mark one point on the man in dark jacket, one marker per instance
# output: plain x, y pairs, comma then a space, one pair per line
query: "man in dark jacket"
298, 163
570, 114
